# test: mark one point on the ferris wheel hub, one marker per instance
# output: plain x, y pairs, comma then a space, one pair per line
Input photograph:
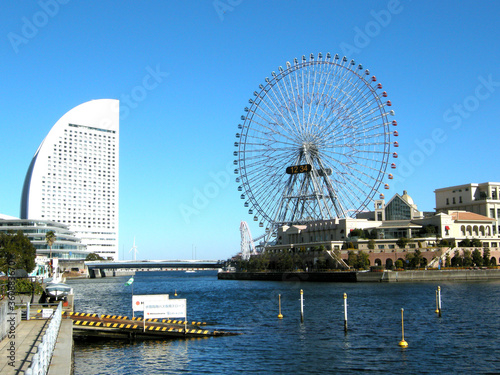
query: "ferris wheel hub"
315, 142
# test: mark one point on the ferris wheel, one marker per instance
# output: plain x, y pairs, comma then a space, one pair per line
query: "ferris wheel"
314, 143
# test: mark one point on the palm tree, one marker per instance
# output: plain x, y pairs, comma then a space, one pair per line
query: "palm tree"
50, 238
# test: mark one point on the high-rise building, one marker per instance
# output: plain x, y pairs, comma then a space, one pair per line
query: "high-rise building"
73, 176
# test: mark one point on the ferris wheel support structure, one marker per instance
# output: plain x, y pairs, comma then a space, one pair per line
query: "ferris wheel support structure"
314, 143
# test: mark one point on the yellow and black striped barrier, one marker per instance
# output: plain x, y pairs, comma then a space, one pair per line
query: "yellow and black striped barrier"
115, 326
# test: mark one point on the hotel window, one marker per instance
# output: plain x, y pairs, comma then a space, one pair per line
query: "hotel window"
454, 200
447, 201
460, 199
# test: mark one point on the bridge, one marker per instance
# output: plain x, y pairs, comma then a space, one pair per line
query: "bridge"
148, 265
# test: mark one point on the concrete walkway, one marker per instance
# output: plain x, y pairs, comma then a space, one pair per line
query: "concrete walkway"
29, 334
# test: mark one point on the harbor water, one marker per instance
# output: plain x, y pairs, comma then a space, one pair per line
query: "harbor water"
463, 340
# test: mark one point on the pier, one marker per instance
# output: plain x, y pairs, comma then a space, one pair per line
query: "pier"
43, 340
86, 325
28, 346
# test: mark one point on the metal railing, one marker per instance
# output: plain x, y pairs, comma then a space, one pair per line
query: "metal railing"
41, 360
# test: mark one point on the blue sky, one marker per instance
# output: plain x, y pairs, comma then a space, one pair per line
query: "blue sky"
437, 60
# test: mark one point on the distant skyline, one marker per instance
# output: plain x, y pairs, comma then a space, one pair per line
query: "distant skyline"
184, 71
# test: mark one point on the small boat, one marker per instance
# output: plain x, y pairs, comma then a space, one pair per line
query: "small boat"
190, 271
56, 289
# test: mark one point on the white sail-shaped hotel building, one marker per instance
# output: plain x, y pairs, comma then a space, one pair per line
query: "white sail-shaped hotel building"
73, 176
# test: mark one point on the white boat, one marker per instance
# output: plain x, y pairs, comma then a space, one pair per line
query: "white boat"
56, 288
190, 271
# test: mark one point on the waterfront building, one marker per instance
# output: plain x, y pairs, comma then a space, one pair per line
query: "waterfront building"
73, 176
66, 245
433, 234
399, 207
482, 199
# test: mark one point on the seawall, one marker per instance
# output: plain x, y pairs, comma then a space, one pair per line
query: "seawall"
353, 276
349, 276
438, 275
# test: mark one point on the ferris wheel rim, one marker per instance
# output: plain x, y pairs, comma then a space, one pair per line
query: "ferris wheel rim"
246, 160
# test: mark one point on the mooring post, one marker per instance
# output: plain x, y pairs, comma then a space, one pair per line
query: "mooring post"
403, 343
345, 312
437, 305
279, 304
302, 306
439, 300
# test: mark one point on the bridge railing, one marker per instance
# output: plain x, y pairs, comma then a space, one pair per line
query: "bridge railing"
41, 360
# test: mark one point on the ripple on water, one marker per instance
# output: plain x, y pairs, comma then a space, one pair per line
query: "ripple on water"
463, 340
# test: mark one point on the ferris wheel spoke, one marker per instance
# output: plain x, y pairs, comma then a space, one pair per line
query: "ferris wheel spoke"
322, 113
348, 196
276, 117
288, 88
270, 129
286, 100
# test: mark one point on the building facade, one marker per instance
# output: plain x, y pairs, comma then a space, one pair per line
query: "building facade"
66, 245
73, 176
482, 199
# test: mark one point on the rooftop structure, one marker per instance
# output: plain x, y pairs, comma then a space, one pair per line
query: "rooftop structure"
73, 176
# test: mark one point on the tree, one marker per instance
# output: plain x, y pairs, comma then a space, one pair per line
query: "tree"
363, 260
486, 257
359, 260
444, 243
352, 259
457, 260
415, 259
399, 263
467, 258
402, 242
93, 256
373, 234
476, 242
477, 258
465, 243
50, 238
447, 262
357, 233
16, 252
371, 244
428, 230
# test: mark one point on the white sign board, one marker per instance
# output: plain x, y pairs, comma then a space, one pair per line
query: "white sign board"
173, 308
138, 301
47, 313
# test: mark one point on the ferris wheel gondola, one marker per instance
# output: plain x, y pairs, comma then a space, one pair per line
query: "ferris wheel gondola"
314, 142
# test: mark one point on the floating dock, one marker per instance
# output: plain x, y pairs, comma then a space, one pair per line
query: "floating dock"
86, 325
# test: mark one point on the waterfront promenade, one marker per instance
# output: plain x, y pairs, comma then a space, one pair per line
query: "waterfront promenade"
28, 335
